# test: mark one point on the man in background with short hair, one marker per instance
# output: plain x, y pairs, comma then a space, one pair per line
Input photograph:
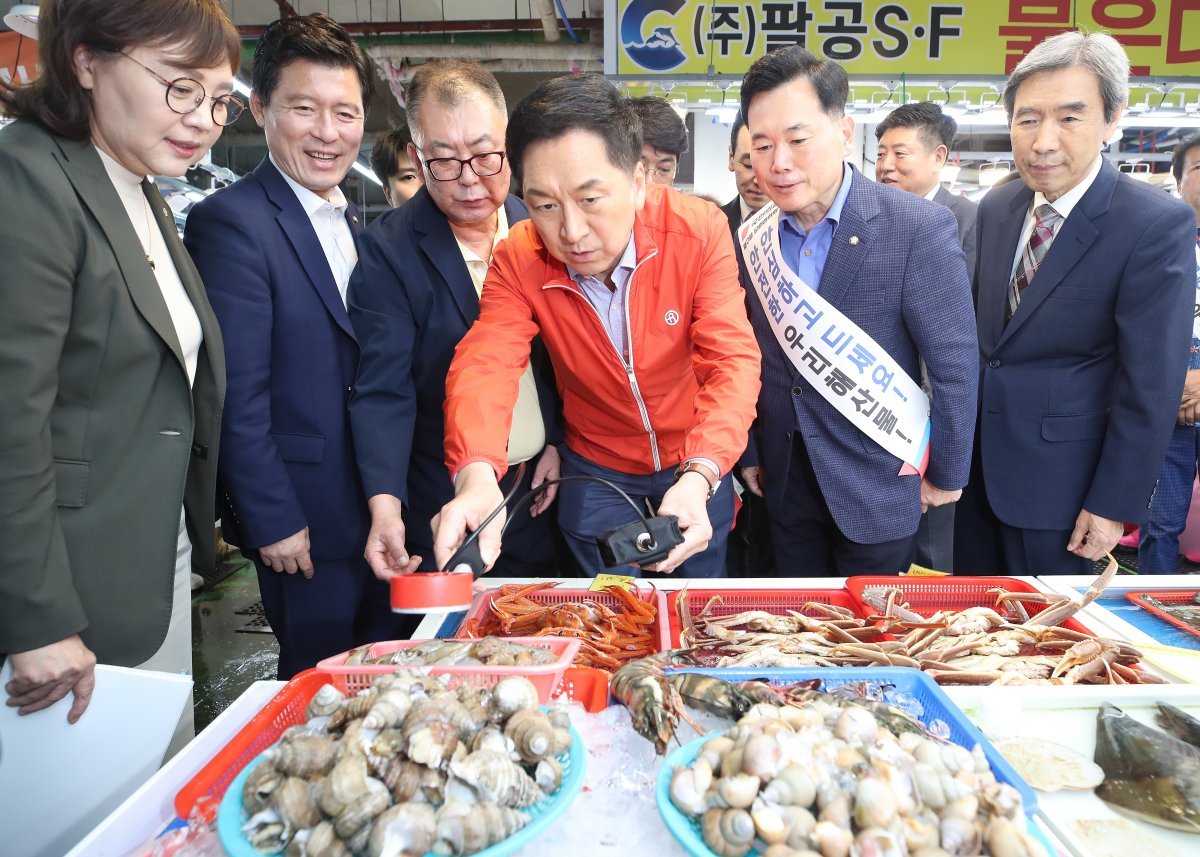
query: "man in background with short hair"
400, 177
750, 553
914, 143
664, 138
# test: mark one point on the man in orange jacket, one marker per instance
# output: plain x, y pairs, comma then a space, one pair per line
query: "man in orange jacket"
634, 291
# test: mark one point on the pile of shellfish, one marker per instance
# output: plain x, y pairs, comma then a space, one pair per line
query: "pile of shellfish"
830, 779
406, 767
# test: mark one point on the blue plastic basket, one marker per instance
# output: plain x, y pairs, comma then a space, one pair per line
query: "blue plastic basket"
907, 685
232, 815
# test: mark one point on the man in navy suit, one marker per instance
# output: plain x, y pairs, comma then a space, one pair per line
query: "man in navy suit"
749, 553
413, 297
914, 143
275, 251
1086, 287
889, 262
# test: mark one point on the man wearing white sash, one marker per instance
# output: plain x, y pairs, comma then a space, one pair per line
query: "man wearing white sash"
852, 285
1158, 544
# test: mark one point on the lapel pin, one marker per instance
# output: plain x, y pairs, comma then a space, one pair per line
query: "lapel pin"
853, 240
354, 217
166, 213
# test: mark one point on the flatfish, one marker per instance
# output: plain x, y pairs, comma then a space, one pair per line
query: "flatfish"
1148, 774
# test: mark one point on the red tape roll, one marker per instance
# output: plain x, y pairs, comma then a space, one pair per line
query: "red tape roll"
425, 591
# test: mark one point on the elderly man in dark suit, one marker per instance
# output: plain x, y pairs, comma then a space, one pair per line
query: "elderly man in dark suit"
1086, 286
914, 142
414, 295
887, 271
275, 251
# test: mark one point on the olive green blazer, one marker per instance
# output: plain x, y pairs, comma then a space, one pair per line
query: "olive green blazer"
101, 440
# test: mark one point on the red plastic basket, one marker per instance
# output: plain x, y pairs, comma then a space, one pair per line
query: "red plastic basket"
284, 710
545, 677
586, 685
928, 595
659, 628
1187, 596
775, 601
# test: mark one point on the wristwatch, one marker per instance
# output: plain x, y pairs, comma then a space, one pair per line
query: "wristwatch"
703, 470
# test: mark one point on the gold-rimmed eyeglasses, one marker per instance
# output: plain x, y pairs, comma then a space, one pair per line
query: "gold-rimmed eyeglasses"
185, 95
449, 169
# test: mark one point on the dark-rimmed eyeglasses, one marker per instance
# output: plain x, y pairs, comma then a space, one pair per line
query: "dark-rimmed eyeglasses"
449, 169
185, 95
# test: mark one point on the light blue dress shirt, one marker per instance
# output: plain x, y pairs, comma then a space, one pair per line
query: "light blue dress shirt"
804, 252
610, 302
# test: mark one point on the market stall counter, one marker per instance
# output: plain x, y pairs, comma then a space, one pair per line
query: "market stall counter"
615, 814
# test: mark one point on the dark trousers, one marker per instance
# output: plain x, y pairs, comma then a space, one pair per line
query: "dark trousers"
935, 538
750, 553
341, 606
588, 509
807, 540
984, 545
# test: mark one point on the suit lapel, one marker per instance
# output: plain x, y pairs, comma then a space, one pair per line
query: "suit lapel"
1000, 244
1074, 238
439, 246
86, 173
846, 256
303, 238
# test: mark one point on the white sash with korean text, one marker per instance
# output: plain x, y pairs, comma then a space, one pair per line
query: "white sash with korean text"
841, 362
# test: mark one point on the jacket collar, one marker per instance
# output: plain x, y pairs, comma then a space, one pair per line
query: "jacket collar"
437, 243
299, 231
1077, 234
855, 233
85, 171
555, 272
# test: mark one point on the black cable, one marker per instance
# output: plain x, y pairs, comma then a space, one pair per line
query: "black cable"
474, 534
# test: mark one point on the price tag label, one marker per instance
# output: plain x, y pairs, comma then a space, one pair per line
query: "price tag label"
921, 571
603, 580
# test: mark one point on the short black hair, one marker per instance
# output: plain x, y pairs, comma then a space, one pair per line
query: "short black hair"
387, 150
779, 67
661, 126
585, 102
316, 38
935, 127
738, 124
1192, 141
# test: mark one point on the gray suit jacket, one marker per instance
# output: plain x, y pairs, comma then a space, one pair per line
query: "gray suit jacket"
964, 212
101, 440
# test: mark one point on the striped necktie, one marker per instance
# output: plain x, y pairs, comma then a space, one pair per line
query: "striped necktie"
1045, 221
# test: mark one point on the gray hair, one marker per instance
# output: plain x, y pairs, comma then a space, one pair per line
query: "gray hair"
1098, 52
449, 82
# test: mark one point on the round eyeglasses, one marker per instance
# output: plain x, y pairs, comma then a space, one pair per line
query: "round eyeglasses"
185, 95
449, 169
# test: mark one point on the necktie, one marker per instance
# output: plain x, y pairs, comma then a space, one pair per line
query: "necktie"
1045, 220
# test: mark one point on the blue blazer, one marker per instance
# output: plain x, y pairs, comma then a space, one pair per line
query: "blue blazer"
412, 299
1080, 391
287, 458
904, 282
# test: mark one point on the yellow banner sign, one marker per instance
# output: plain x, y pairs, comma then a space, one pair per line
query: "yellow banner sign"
876, 37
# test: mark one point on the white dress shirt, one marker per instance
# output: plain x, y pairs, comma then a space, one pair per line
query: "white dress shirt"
328, 217
1064, 205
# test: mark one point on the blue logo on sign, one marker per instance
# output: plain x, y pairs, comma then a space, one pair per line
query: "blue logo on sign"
660, 51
